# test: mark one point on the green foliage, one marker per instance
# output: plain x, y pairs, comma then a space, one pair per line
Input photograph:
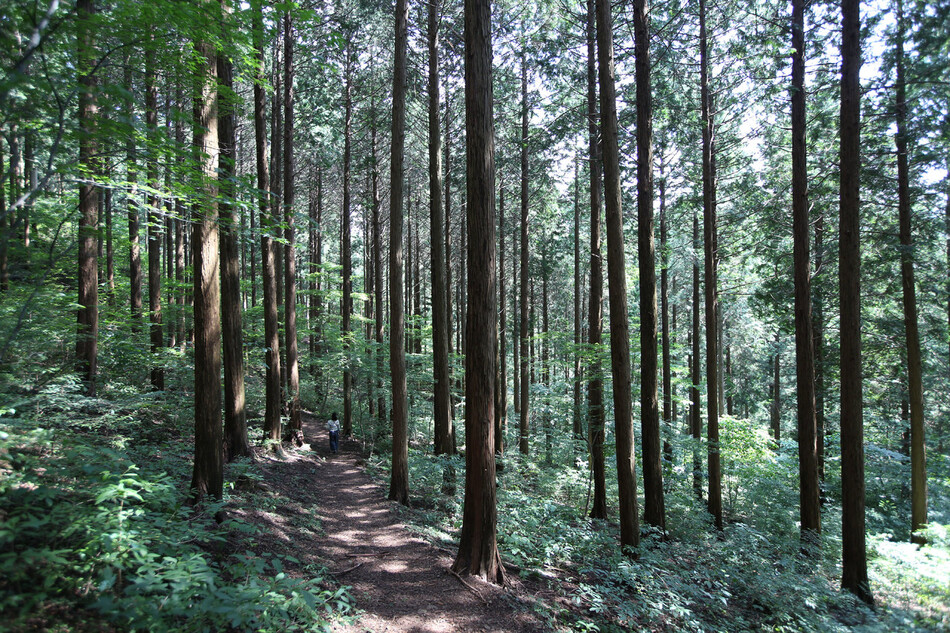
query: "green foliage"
98, 527
751, 577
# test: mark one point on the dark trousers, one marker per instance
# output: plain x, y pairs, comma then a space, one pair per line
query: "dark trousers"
334, 441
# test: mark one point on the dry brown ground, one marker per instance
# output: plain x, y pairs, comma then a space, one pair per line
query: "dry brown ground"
400, 582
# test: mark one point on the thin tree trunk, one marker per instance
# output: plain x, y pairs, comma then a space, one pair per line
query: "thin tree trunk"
290, 261
854, 576
501, 413
653, 512
524, 419
714, 500
546, 360
378, 280
180, 212
665, 327
346, 248
110, 250
272, 423
595, 313
88, 314
4, 226
399, 481
617, 286
135, 256
154, 221
776, 405
577, 424
478, 549
695, 412
918, 457
818, 331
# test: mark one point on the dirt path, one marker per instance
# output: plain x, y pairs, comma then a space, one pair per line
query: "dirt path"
399, 581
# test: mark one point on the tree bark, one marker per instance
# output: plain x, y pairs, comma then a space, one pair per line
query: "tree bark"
775, 408
918, 456
399, 481
854, 572
208, 474
236, 442
819, 338
272, 422
378, 279
290, 260
654, 512
154, 221
577, 426
665, 327
346, 248
695, 412
135, 256
595, 312
501, 393
617, 285
478, 549
88, 269
524, 419
711, 264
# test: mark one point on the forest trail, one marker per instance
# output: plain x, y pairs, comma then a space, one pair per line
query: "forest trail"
400, 583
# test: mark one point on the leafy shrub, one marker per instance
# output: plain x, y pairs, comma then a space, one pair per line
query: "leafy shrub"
82, 525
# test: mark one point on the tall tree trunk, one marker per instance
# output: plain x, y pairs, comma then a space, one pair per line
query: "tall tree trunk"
410, 327
313, 271
276, 198
154, 220
135, 256
617, 285
819, 338
695, 412
854, 571
290, 260
378, 280
180, 213
668, 414
110, 244
208, 474
775, 408
448, 222
442, 413
502, 423
653, 512
88, 315
478, 549
236, 442
711, 264
346, 248
272, 431
595, 312
577, 424
516, 331
524, 419
546, 359
30, 185
416, 286
399, 481
918, 457
4, 227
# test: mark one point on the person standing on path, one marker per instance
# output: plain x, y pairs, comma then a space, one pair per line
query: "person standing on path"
333, 426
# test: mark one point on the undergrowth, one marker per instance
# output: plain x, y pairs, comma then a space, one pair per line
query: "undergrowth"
95, 530
751, 577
